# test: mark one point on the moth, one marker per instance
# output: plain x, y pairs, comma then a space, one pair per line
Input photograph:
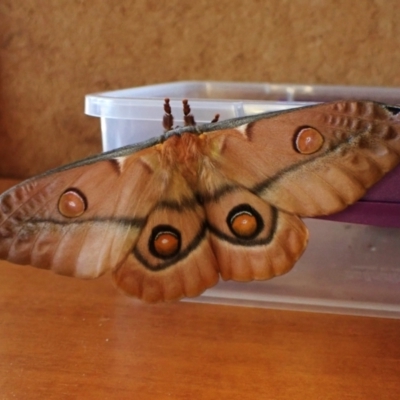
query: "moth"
170, 216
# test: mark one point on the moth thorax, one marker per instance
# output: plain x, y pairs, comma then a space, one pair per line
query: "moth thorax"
181, 149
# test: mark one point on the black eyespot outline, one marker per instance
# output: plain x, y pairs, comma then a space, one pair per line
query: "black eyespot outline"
245, 209
160, 229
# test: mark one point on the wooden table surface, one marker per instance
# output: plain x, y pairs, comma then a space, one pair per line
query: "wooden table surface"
64, 338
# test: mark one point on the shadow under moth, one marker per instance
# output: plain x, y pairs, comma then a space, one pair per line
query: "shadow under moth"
172, 214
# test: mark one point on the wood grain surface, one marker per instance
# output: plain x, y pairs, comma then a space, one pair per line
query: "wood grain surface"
64, 338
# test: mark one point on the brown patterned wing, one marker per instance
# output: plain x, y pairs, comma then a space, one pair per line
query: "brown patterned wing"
311, 161
253, 240
172, 258
81, 220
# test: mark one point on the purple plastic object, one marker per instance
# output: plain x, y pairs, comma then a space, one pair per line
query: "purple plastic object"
379, 207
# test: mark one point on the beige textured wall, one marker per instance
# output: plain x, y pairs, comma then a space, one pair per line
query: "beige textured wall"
54, 52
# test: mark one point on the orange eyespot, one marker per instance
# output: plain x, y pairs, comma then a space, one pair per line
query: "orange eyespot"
245, 222
308, 140
244, 225
165, 241
72, 204
166, 244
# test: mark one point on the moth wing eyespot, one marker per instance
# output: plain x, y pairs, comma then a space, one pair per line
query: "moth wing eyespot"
72, 203
245, 222
164, 242
308, 140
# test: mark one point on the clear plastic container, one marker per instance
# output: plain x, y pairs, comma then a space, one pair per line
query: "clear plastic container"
347, 268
